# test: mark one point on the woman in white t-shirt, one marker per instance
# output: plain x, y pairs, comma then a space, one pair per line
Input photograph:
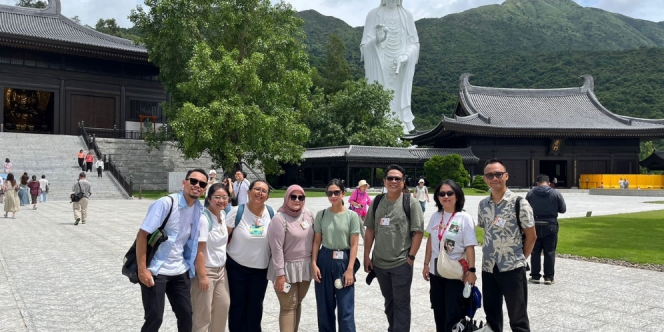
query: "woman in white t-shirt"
209, 290
457, 229
248, 258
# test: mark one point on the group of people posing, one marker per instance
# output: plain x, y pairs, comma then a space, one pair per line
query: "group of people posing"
16, 193
215, 266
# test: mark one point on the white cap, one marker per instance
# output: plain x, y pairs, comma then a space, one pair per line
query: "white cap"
421, 181
212, 172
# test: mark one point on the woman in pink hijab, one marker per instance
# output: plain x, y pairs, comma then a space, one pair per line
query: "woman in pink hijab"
291, 236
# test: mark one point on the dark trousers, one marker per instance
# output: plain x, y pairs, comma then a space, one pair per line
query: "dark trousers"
329, 298
81, 161
447, 302
99, 171
177, 290
511, 285
547, 241
89, 167
246, 288
395, 286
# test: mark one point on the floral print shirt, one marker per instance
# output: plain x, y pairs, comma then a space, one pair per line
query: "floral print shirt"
503, 240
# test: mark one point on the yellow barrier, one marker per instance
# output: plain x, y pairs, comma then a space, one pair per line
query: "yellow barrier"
611, 181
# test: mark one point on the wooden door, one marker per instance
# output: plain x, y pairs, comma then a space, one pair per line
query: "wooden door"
97, 112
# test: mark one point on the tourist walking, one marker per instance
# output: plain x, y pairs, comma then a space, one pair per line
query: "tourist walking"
335, 263
213, 177
504, 216
291, 241
210, 297
2, 192
228, 182
359, 202
10, 187
421, 193
43, 184
99, 165
241, 187
23, 193
248, 258
35, 191
395, 222
546, 203
81, 207
89, 160
456, 230
8, 166
81, 160
170, 271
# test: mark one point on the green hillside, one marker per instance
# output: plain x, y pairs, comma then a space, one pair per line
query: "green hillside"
523, 43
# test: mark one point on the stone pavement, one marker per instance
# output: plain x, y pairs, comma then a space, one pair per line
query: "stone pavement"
55, 276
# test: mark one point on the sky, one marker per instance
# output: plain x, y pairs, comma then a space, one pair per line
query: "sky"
89, 11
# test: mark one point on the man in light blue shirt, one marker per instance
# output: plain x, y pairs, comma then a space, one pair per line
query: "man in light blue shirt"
172, 267
241, 187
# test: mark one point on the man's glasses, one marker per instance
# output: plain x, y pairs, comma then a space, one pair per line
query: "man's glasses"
497, 175
393, 179
263, 191
220, 198
194, 182
297, 198
445, 193
333, 193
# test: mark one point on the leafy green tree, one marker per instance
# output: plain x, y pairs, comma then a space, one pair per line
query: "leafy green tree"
357, 115
76, 19
479, 184
337, 70
110, 27
238, 76
32, 3
440, 168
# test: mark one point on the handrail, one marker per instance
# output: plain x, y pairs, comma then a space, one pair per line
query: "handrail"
127, 185
113, 133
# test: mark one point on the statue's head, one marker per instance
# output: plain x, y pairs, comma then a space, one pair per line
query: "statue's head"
391, 3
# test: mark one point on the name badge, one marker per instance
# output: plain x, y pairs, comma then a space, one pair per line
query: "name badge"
500, 222
384, 221
305, 224
337, 255
256, 231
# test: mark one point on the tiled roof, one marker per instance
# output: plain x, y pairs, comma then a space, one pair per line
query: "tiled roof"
396, 155
466, 154
49, 24
568, 108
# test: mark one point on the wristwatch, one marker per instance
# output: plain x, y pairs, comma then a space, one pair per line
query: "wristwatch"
472, 269
412, 258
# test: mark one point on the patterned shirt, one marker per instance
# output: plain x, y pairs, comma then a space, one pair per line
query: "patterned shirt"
503, 245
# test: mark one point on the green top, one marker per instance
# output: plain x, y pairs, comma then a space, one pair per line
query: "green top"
392, 243
336, 228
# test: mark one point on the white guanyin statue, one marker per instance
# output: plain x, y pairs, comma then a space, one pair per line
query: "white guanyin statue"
390, 49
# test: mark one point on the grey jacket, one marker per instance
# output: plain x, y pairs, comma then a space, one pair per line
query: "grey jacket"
546, 203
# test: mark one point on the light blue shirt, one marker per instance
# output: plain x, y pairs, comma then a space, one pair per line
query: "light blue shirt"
155, 216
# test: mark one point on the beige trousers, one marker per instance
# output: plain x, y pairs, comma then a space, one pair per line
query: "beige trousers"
81, 209
291, 306
210, 307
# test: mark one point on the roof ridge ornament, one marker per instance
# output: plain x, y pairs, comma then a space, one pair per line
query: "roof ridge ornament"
465, 81
54, 7
588, 83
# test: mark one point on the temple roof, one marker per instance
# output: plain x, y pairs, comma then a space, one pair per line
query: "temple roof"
48, 26
377, 153
565, 112
654, 162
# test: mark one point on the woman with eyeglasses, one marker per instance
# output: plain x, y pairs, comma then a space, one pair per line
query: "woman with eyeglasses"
456, 229
209, 290
335, 263
291, 240
248, 258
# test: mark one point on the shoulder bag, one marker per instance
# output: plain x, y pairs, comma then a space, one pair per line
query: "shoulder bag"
130, 264
75, 197
446, 267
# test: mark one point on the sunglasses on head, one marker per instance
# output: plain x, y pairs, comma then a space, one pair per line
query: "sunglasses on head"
497, 175
393, 179
297, 198
194, 182
445, 193
333, 193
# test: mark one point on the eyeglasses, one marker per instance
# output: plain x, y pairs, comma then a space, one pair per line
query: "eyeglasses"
259, 190
220, 198
333, 193
194, 182
497, 175
445, 193
297, 198
393, 179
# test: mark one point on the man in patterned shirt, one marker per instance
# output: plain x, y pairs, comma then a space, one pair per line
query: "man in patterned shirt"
504, 251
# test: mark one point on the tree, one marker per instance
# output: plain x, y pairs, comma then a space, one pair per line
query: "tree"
337, 70
76, 19
358, 114
479, 184
108, 26
450, 167
32, 3
238, 76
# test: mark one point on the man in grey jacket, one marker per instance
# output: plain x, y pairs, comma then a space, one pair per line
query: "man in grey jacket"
546, 203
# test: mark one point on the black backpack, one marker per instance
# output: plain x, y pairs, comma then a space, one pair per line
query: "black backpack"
406, 204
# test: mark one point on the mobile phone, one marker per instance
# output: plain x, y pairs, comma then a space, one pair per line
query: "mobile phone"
287, 287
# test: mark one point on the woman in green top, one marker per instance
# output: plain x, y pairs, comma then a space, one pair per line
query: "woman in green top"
335, 263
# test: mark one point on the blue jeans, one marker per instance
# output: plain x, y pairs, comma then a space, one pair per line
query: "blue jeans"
423, 205
42, 197
329, 297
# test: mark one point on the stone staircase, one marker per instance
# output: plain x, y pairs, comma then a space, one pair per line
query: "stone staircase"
55, 157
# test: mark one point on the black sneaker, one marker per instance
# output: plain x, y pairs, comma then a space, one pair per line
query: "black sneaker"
77, 220
549, 282
534, 281
83, 222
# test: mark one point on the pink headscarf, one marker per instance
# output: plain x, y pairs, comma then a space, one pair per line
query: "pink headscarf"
285, 209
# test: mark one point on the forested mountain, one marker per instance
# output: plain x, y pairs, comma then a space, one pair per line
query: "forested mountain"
523, 44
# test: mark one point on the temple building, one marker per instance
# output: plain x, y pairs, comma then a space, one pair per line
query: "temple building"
562, 133
55, 73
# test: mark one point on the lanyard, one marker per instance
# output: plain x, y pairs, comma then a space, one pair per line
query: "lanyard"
440, 234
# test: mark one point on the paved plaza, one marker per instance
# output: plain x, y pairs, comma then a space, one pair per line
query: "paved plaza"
55, 276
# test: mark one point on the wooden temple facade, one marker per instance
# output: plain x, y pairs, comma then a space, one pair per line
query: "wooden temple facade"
55, 73
558, 132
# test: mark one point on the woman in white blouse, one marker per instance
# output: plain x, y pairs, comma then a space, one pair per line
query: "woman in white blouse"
456, 229
209, 290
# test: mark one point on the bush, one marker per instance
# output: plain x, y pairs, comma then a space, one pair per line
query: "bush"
440, 168
479, 184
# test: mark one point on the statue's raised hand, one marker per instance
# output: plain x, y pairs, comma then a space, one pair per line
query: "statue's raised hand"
381, 33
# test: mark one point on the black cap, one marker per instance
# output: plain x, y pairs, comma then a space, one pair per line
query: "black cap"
371, 276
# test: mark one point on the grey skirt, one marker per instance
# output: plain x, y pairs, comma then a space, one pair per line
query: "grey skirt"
294, 271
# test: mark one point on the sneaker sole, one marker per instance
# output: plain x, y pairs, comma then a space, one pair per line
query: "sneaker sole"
533, 281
